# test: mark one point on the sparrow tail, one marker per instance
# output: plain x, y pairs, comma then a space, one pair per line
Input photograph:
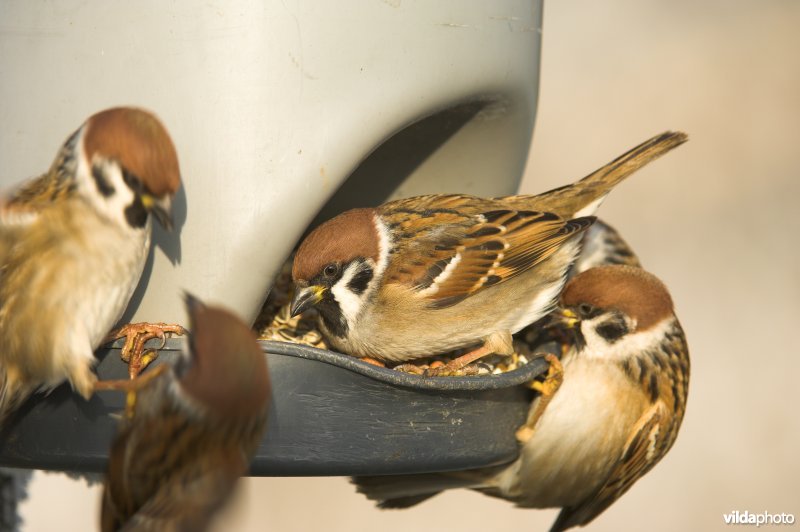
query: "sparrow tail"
583, 198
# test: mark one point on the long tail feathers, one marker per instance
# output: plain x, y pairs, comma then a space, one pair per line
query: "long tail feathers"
630, 161
583, 198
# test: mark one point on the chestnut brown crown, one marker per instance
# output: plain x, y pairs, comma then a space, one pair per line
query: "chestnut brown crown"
341, 239
138, 141
630, 290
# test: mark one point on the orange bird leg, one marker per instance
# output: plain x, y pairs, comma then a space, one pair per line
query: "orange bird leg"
136, 335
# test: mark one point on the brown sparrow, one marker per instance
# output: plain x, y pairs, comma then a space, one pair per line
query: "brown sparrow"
426, 275
192, 430
615, 415
73, 243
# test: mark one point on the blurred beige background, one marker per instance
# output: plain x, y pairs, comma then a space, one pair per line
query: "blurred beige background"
717, 220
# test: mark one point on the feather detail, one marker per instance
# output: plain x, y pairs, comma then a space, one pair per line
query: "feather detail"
645, 447
446, 256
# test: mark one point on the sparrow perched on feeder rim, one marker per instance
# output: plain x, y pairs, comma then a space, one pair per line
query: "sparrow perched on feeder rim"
190, 431
73, 243
614, 417
430, 274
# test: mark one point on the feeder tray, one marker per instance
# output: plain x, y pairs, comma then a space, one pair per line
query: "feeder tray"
331, 414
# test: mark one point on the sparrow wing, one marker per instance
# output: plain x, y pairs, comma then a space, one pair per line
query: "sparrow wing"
453, 246
644, 448
22, 206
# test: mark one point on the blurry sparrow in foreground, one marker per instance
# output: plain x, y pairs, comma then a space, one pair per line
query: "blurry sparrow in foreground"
191, 431
73, 243
430, 274
616, 414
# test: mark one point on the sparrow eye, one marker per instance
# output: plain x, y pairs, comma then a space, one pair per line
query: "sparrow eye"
330, 270
585, 310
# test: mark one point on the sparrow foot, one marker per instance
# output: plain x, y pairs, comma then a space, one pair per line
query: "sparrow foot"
409, 368
131, 387
136, 335
373, 361
547, 389
460, 365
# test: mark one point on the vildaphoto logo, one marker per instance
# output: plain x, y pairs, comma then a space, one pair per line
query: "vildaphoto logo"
764, 518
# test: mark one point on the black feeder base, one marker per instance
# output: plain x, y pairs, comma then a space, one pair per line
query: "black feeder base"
331, 414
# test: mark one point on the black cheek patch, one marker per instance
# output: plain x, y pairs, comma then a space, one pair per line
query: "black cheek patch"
612, 330
103, 186
360, 280
136, 214
332, 317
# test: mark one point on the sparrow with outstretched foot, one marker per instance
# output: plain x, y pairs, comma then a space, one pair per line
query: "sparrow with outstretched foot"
190, 431
427, 275
73, 244
615, 416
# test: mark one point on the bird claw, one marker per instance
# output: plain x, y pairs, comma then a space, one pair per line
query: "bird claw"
461, 365
547, 389
409, 368
446, 370
139, 361
552, 381
136, 336
131, 387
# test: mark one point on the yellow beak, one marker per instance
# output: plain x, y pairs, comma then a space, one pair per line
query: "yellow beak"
567, 318
306, 297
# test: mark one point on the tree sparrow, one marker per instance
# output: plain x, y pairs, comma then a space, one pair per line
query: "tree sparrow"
192, 430
73, 243
426, 275
616, 414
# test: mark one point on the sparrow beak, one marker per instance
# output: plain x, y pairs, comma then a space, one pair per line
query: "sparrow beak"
306, 297
161, 209
566, 318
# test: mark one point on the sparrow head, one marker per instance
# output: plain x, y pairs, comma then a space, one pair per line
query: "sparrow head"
224, 370
609, 304
127, 166
337, 266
